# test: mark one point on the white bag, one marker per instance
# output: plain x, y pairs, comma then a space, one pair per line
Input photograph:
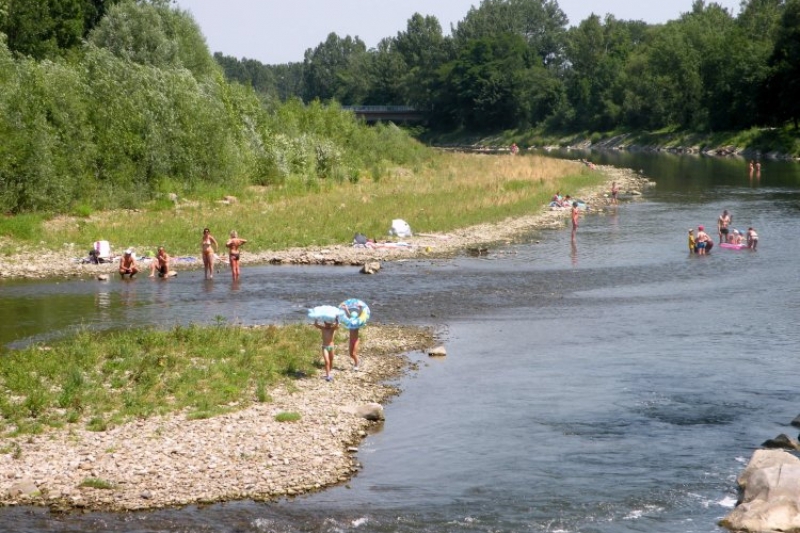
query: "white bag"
400, 228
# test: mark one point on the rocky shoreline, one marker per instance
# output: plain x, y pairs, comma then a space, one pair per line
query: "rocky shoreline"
44, 265
246, 454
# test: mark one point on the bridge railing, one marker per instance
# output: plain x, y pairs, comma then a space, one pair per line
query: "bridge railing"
379, 108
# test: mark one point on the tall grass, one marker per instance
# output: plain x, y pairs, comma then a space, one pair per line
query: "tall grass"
440, 194
101, 379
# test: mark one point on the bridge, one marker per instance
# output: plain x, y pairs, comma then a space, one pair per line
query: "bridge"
386, 113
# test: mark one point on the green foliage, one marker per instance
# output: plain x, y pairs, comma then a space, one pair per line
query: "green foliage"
107, 378
287, 417
24, 227
97, 483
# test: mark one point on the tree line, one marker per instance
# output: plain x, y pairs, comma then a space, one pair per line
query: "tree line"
517, 64
110, 103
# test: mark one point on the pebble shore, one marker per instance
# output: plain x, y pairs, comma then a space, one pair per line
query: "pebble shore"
246, 454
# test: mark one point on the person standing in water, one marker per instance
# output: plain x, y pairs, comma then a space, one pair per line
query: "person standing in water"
575, 215
703, 241
723, 223
233, 245
207, 247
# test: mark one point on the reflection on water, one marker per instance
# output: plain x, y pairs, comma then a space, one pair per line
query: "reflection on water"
593, 385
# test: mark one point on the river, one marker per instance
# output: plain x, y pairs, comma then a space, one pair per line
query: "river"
614, 384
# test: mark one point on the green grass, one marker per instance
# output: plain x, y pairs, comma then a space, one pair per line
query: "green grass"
287, 417
100, 379
97, 483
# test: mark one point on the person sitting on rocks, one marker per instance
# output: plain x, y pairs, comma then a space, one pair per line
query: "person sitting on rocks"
160, 264
127, 265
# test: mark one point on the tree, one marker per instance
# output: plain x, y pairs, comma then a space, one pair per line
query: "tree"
783, 83
490, 83
423, 50
540, 22
156, 35
336, 70
44, 28
388, 69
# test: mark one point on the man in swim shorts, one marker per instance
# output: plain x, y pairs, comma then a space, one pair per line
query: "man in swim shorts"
127, 265
160, 264
723, 222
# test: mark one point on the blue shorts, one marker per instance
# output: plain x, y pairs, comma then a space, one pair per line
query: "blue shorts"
701, 245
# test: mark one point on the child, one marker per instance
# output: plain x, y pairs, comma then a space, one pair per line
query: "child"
692, 243
328, 330
752, 239
703, 240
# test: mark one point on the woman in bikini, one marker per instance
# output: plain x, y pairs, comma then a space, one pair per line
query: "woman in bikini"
233, 245
207, 245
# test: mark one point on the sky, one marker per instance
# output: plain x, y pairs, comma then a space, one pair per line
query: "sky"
280, 31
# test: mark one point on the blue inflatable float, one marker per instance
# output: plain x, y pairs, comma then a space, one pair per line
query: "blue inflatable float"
356, 313
326, 313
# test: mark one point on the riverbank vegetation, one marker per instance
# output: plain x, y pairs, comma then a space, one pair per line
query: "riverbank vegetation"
102, 379
133, 106
516, 66
449, 191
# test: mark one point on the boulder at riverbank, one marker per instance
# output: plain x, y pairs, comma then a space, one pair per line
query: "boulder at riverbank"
770, 494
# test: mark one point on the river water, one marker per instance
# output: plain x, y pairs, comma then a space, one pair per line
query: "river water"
614, 384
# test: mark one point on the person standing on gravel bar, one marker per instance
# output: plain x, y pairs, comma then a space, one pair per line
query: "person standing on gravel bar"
328, 330
233, 245
207, 247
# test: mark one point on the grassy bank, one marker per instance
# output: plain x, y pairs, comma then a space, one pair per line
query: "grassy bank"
101, 379
448, 191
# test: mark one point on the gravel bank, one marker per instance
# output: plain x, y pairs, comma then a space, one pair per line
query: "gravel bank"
53, 265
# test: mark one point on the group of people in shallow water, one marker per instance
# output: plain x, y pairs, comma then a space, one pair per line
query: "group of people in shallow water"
128, 266
702, 243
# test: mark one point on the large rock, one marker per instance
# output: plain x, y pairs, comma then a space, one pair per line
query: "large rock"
770, 494
782, 441
369, 411
22, 488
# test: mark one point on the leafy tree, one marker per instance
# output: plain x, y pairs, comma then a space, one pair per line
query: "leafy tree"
540, 22
387, 68
336, 70
783, 83
44, 28
153, 34
423, 49
490, 84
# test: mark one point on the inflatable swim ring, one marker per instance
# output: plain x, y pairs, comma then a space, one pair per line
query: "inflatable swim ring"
326, 313
356, 314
